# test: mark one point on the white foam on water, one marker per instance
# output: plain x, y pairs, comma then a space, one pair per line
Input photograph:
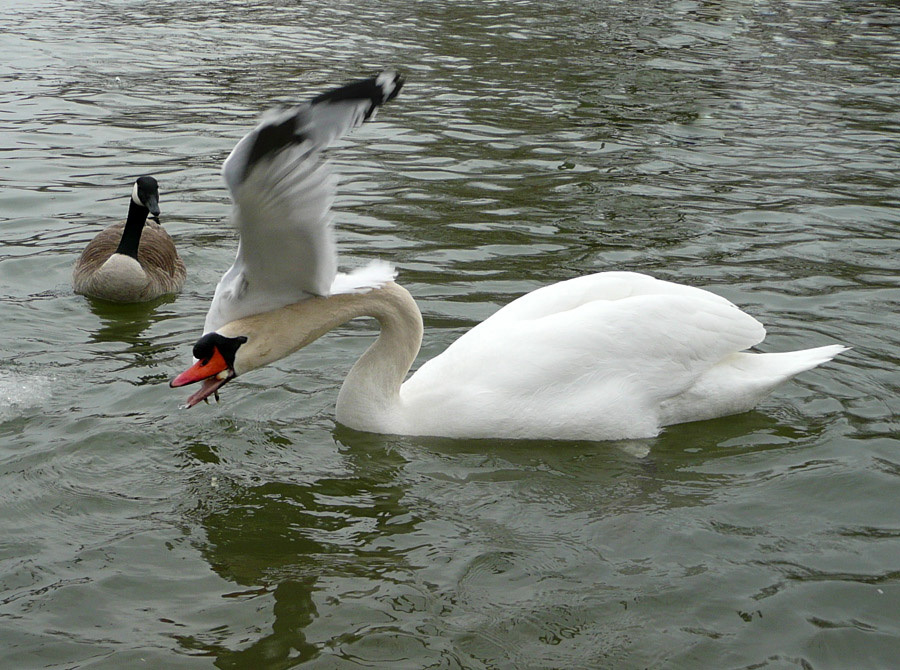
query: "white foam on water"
21, 392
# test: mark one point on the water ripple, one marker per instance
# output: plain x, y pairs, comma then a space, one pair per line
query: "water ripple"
749, 148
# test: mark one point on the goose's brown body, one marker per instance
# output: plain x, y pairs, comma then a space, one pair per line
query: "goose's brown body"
134, 261
158, 270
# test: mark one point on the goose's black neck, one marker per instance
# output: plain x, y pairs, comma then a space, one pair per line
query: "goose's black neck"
134, 226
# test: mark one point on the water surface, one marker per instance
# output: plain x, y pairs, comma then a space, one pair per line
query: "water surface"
750, 148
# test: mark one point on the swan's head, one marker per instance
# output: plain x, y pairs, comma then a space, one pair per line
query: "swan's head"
146, 194
215, 366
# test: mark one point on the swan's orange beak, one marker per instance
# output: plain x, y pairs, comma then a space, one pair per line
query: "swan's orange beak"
201, 370
214, 373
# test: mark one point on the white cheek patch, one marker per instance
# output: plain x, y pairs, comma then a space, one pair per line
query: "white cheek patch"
134, 196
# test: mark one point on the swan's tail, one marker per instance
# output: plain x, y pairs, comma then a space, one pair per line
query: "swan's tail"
789, 363
740, 381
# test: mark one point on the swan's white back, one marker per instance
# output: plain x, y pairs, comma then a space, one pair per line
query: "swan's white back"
607, 356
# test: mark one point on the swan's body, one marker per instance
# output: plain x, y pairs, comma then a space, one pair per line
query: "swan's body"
606, 356
133, 261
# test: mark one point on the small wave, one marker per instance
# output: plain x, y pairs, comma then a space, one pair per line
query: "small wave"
20, 392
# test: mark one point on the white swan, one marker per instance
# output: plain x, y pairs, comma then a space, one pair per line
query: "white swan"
605, 356
134, 261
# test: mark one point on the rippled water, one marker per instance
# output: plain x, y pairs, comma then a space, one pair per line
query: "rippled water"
746, 147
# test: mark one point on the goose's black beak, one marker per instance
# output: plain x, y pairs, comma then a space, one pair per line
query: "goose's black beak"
153, 206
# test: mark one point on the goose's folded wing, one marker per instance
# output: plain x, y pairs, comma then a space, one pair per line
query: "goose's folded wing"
283, 191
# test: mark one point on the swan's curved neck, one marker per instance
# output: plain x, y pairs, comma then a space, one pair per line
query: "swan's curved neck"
370, 395
369, 398
134, 226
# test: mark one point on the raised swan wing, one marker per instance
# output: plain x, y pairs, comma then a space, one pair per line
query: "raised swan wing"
283, 191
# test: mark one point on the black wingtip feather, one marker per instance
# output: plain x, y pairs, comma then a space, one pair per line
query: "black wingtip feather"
275, 137
378, 90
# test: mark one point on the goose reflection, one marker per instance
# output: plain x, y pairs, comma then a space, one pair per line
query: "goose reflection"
127, 324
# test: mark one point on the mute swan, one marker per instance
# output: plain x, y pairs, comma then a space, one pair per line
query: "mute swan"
605, 356
133, 261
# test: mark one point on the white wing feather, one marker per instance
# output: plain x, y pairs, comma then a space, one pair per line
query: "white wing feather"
283, 191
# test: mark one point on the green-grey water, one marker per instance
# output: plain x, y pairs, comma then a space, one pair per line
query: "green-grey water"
750, 148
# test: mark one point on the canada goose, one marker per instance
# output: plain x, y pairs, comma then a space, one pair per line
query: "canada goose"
605, 356
133, 261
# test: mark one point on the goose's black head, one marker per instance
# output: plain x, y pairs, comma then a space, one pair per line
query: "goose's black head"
146, 194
